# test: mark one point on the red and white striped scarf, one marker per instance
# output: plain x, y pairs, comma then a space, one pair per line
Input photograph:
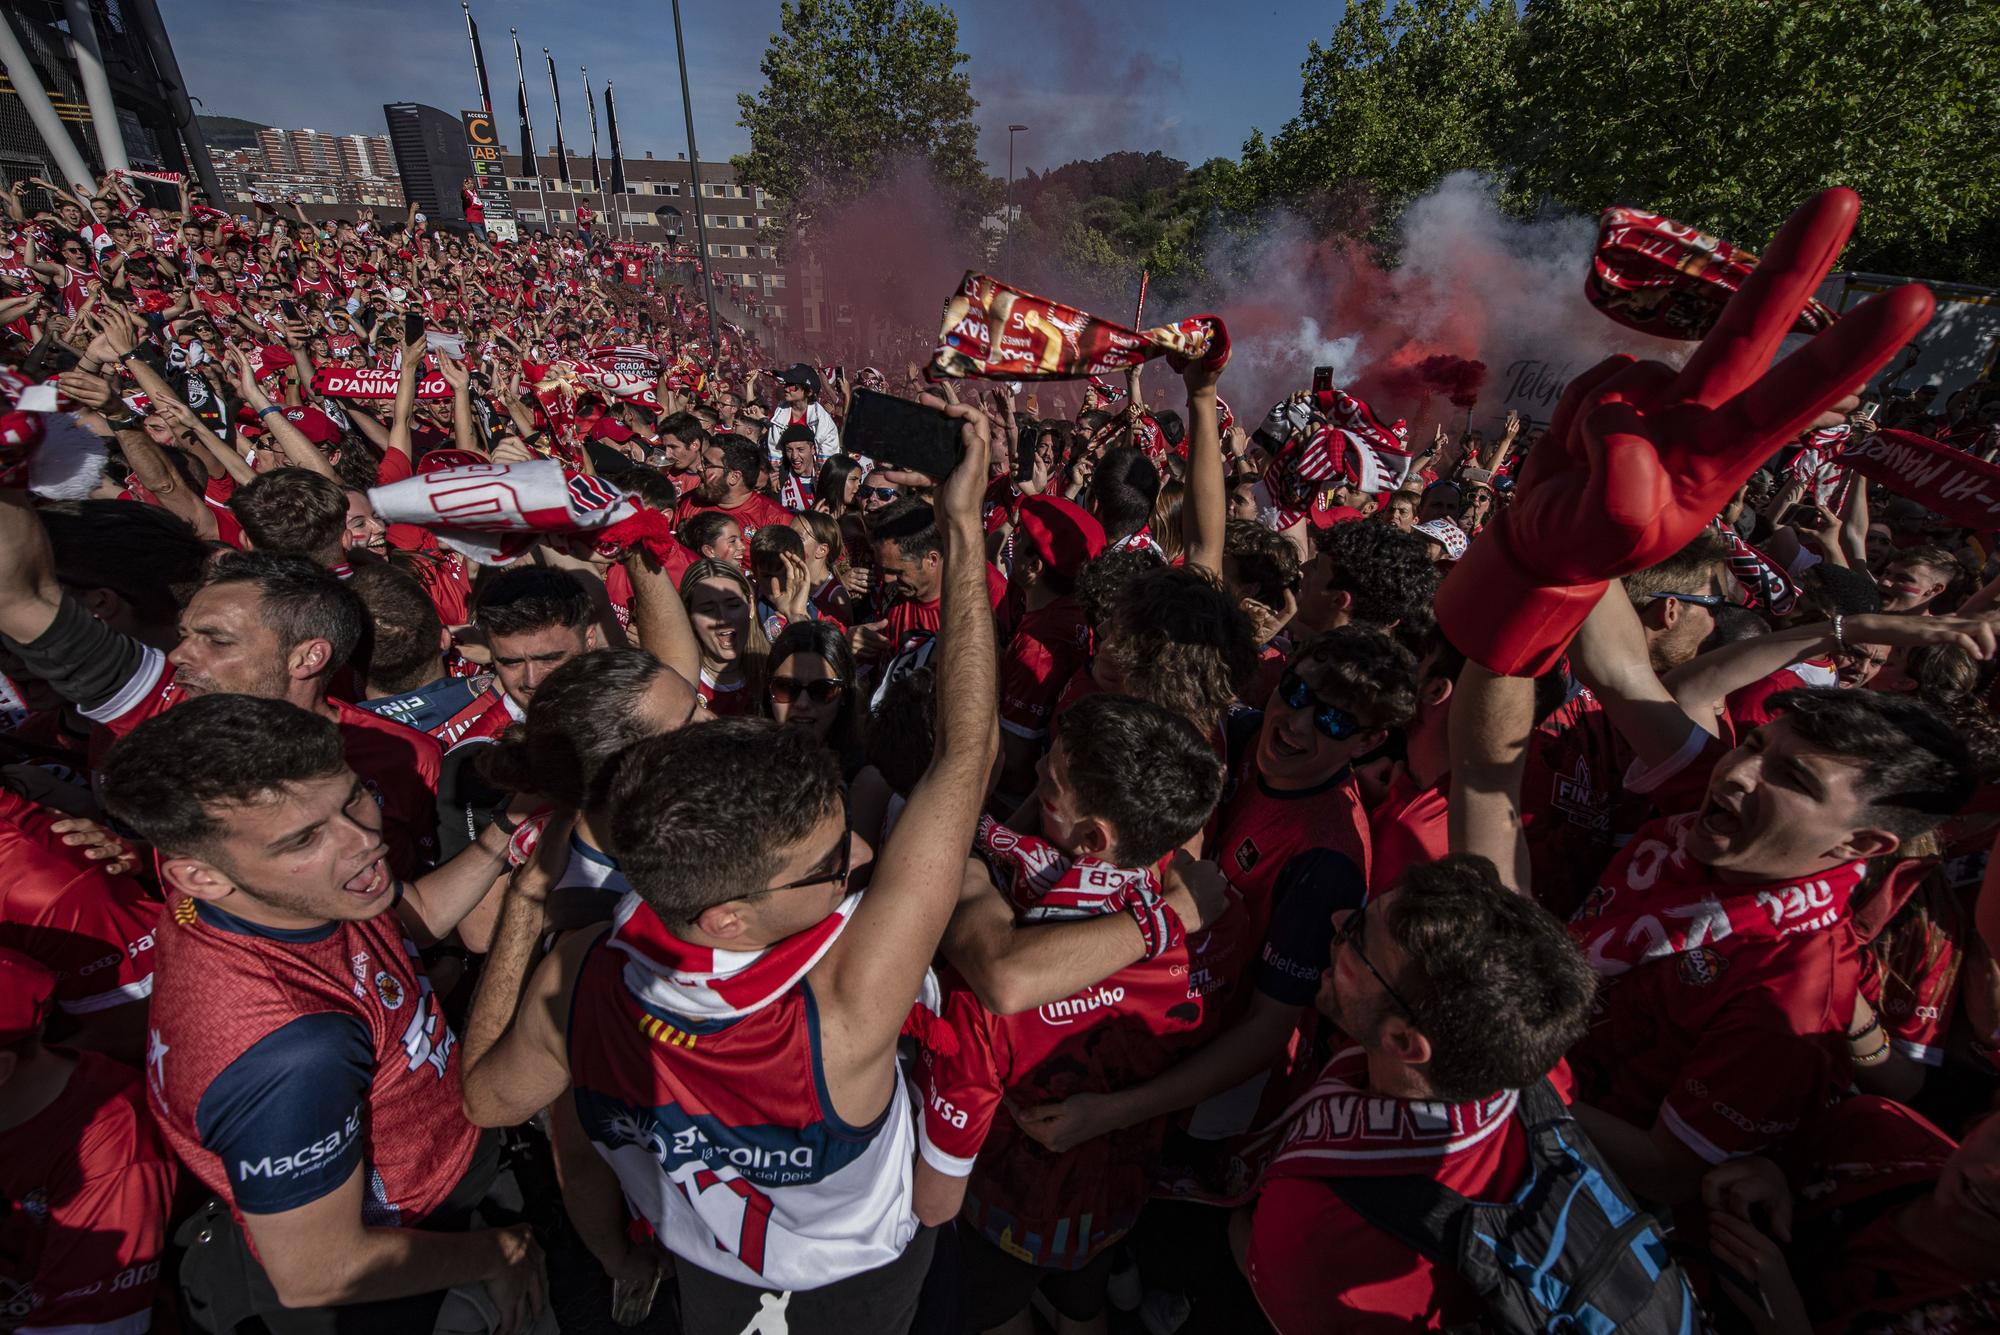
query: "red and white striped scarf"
703, 983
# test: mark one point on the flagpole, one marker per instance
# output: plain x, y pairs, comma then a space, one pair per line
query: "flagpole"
478, 60
596, 169
562, 152
694, 176
528, 140
617, 158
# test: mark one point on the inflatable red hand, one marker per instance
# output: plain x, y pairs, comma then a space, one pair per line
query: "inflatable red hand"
1639, 457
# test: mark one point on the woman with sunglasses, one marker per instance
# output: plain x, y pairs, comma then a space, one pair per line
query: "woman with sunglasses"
721, 605
838, 485
811, 686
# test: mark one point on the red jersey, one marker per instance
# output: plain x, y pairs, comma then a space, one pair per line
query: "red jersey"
400, 765
1056, 1210
1568, 791
1411, 825
481, 721
280, 1062
730, 701
1048, 647
1724, 1006
908, 617
86, 1186
94, 931
1314, 1263
756, 511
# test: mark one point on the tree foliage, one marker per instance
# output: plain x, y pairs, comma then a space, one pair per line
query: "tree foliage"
850, 88
1728, 113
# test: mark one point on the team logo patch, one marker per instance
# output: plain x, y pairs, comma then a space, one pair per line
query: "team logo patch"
1594, 904
390, 990
1701, 966
1247, 854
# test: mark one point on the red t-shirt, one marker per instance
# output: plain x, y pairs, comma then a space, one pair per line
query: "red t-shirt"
1056, 1210
1749, 708
1738, 1038
86, 1186
750, 516
1569, 790
1411, 825
1050, 645
724, 701
1315, 1264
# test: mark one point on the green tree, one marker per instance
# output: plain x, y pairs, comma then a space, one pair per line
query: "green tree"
1729, 113
850, 88
1389, 104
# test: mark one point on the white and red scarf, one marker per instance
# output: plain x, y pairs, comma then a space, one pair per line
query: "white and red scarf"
703, 983
1340, 1127
495, 512
1655, 902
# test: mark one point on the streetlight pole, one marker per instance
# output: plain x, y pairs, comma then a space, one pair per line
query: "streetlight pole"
1007, 235
694, 177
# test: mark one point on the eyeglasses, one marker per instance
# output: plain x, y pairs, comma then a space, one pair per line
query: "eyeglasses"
1708, 600
841, 859
881, 493
822, 691
1348, 935
1333, 721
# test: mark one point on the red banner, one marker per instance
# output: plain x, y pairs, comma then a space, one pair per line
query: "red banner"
1670, 280
336, 383
1964, 489
996, 332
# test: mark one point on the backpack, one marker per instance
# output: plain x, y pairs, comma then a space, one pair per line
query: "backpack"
1567, 1254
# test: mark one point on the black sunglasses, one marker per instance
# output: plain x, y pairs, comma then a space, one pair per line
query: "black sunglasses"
837, 864
1348, 934
1708, 600
881, 493
821, 691
1333, 721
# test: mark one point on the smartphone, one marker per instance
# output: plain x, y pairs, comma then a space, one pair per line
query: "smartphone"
1866, 412
840, 373
413, 327
903, 433
1322, 380
290, 308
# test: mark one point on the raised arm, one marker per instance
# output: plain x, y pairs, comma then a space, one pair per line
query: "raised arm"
1205, 514
401, 438
659, 618
878, 965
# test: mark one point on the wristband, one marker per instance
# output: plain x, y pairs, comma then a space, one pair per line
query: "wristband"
269, 408
1839, 639
1159, 926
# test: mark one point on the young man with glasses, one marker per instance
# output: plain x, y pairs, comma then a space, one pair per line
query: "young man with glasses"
1294, 845
733, 1055
1454, 995
728, 470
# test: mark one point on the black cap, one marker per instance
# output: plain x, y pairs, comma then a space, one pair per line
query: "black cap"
798, 373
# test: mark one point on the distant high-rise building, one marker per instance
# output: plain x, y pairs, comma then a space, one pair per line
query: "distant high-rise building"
277, 150
432, 157
366, 155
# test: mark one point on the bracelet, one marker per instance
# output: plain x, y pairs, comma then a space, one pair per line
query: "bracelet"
1839, 639
1874, 1058
269, 408
1857, 1035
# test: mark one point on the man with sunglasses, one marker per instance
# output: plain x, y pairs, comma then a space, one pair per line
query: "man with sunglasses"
1428, 986
1294, 845
733, 1050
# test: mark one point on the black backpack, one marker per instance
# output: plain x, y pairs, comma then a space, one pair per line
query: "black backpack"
1569, 1254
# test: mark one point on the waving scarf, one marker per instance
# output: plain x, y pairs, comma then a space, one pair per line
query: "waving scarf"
1964, 489
494, 512
996, 332
1667, 279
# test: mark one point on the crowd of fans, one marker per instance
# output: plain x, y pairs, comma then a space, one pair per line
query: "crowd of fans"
1160, 875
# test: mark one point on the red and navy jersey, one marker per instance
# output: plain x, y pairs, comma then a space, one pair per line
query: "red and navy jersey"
1051, 1209
86, 1186
1569, 788
94, 931
280, 1062
1409, 826
723, 1135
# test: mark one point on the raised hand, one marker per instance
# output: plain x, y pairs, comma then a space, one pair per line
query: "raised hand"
1639, 457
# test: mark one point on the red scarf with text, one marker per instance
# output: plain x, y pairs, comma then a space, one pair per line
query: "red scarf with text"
1654, 902
996, 332
1962, 488
1667, 279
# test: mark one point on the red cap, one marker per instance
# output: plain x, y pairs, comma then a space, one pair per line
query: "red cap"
317, 426
1325, 513
26, 989
1063, 532
611, 429
439, 460
272, 359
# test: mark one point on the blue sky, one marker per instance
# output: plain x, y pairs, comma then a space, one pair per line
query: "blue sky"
1189, 77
